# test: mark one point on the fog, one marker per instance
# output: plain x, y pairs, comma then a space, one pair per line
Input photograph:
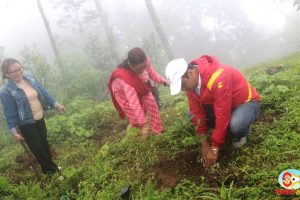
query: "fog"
240, 33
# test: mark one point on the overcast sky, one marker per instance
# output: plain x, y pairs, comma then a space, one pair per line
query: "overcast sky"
21, 23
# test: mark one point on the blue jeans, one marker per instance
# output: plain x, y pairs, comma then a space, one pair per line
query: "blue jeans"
242, 117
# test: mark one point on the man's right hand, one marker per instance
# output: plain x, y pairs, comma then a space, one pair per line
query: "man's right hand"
19, 137
205, 148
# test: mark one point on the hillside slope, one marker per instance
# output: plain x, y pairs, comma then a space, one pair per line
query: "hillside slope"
100, 156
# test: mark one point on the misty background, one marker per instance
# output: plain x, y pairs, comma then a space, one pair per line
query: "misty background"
90, 37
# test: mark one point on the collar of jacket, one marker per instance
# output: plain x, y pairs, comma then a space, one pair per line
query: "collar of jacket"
11, 85
207, 65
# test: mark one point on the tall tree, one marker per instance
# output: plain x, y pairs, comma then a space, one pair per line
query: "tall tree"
50, 35
159, 28
108, 30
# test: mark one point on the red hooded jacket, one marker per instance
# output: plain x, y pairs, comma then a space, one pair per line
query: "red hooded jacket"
225, 88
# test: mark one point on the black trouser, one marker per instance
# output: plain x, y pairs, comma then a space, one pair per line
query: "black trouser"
210, 116
155, 93
36, 139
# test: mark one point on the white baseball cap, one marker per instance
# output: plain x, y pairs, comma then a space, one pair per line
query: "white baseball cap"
175, 69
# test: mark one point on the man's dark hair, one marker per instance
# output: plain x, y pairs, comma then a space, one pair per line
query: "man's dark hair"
190, 66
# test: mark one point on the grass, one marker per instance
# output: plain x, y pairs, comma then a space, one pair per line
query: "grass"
106, 157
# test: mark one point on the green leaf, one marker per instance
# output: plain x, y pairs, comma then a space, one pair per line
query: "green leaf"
4, 185
69, 172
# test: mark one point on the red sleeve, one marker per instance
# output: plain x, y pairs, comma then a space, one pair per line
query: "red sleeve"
222, 93
197, 112
153, 75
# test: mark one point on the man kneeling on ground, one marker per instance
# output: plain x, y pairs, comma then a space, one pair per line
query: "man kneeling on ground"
219, 97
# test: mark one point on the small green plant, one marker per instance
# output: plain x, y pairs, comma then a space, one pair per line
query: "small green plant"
69, 172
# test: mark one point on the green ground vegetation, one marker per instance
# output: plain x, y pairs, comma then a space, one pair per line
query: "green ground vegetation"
99, 154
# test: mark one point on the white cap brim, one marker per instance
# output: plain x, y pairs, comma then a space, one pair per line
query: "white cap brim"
175, 69
175, 87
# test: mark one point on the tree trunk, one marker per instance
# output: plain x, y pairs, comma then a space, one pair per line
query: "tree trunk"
52, 41
80, 28
159, 29
108, 31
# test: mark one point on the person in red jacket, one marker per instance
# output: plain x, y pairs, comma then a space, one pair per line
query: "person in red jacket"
219, 97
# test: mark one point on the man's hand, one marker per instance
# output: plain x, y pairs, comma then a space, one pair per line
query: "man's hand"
205, 148
210, 159
19, 137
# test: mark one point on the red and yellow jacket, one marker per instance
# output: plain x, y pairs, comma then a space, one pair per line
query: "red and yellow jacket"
225, 88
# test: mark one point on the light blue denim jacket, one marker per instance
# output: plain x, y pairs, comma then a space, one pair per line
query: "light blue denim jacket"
16, 106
